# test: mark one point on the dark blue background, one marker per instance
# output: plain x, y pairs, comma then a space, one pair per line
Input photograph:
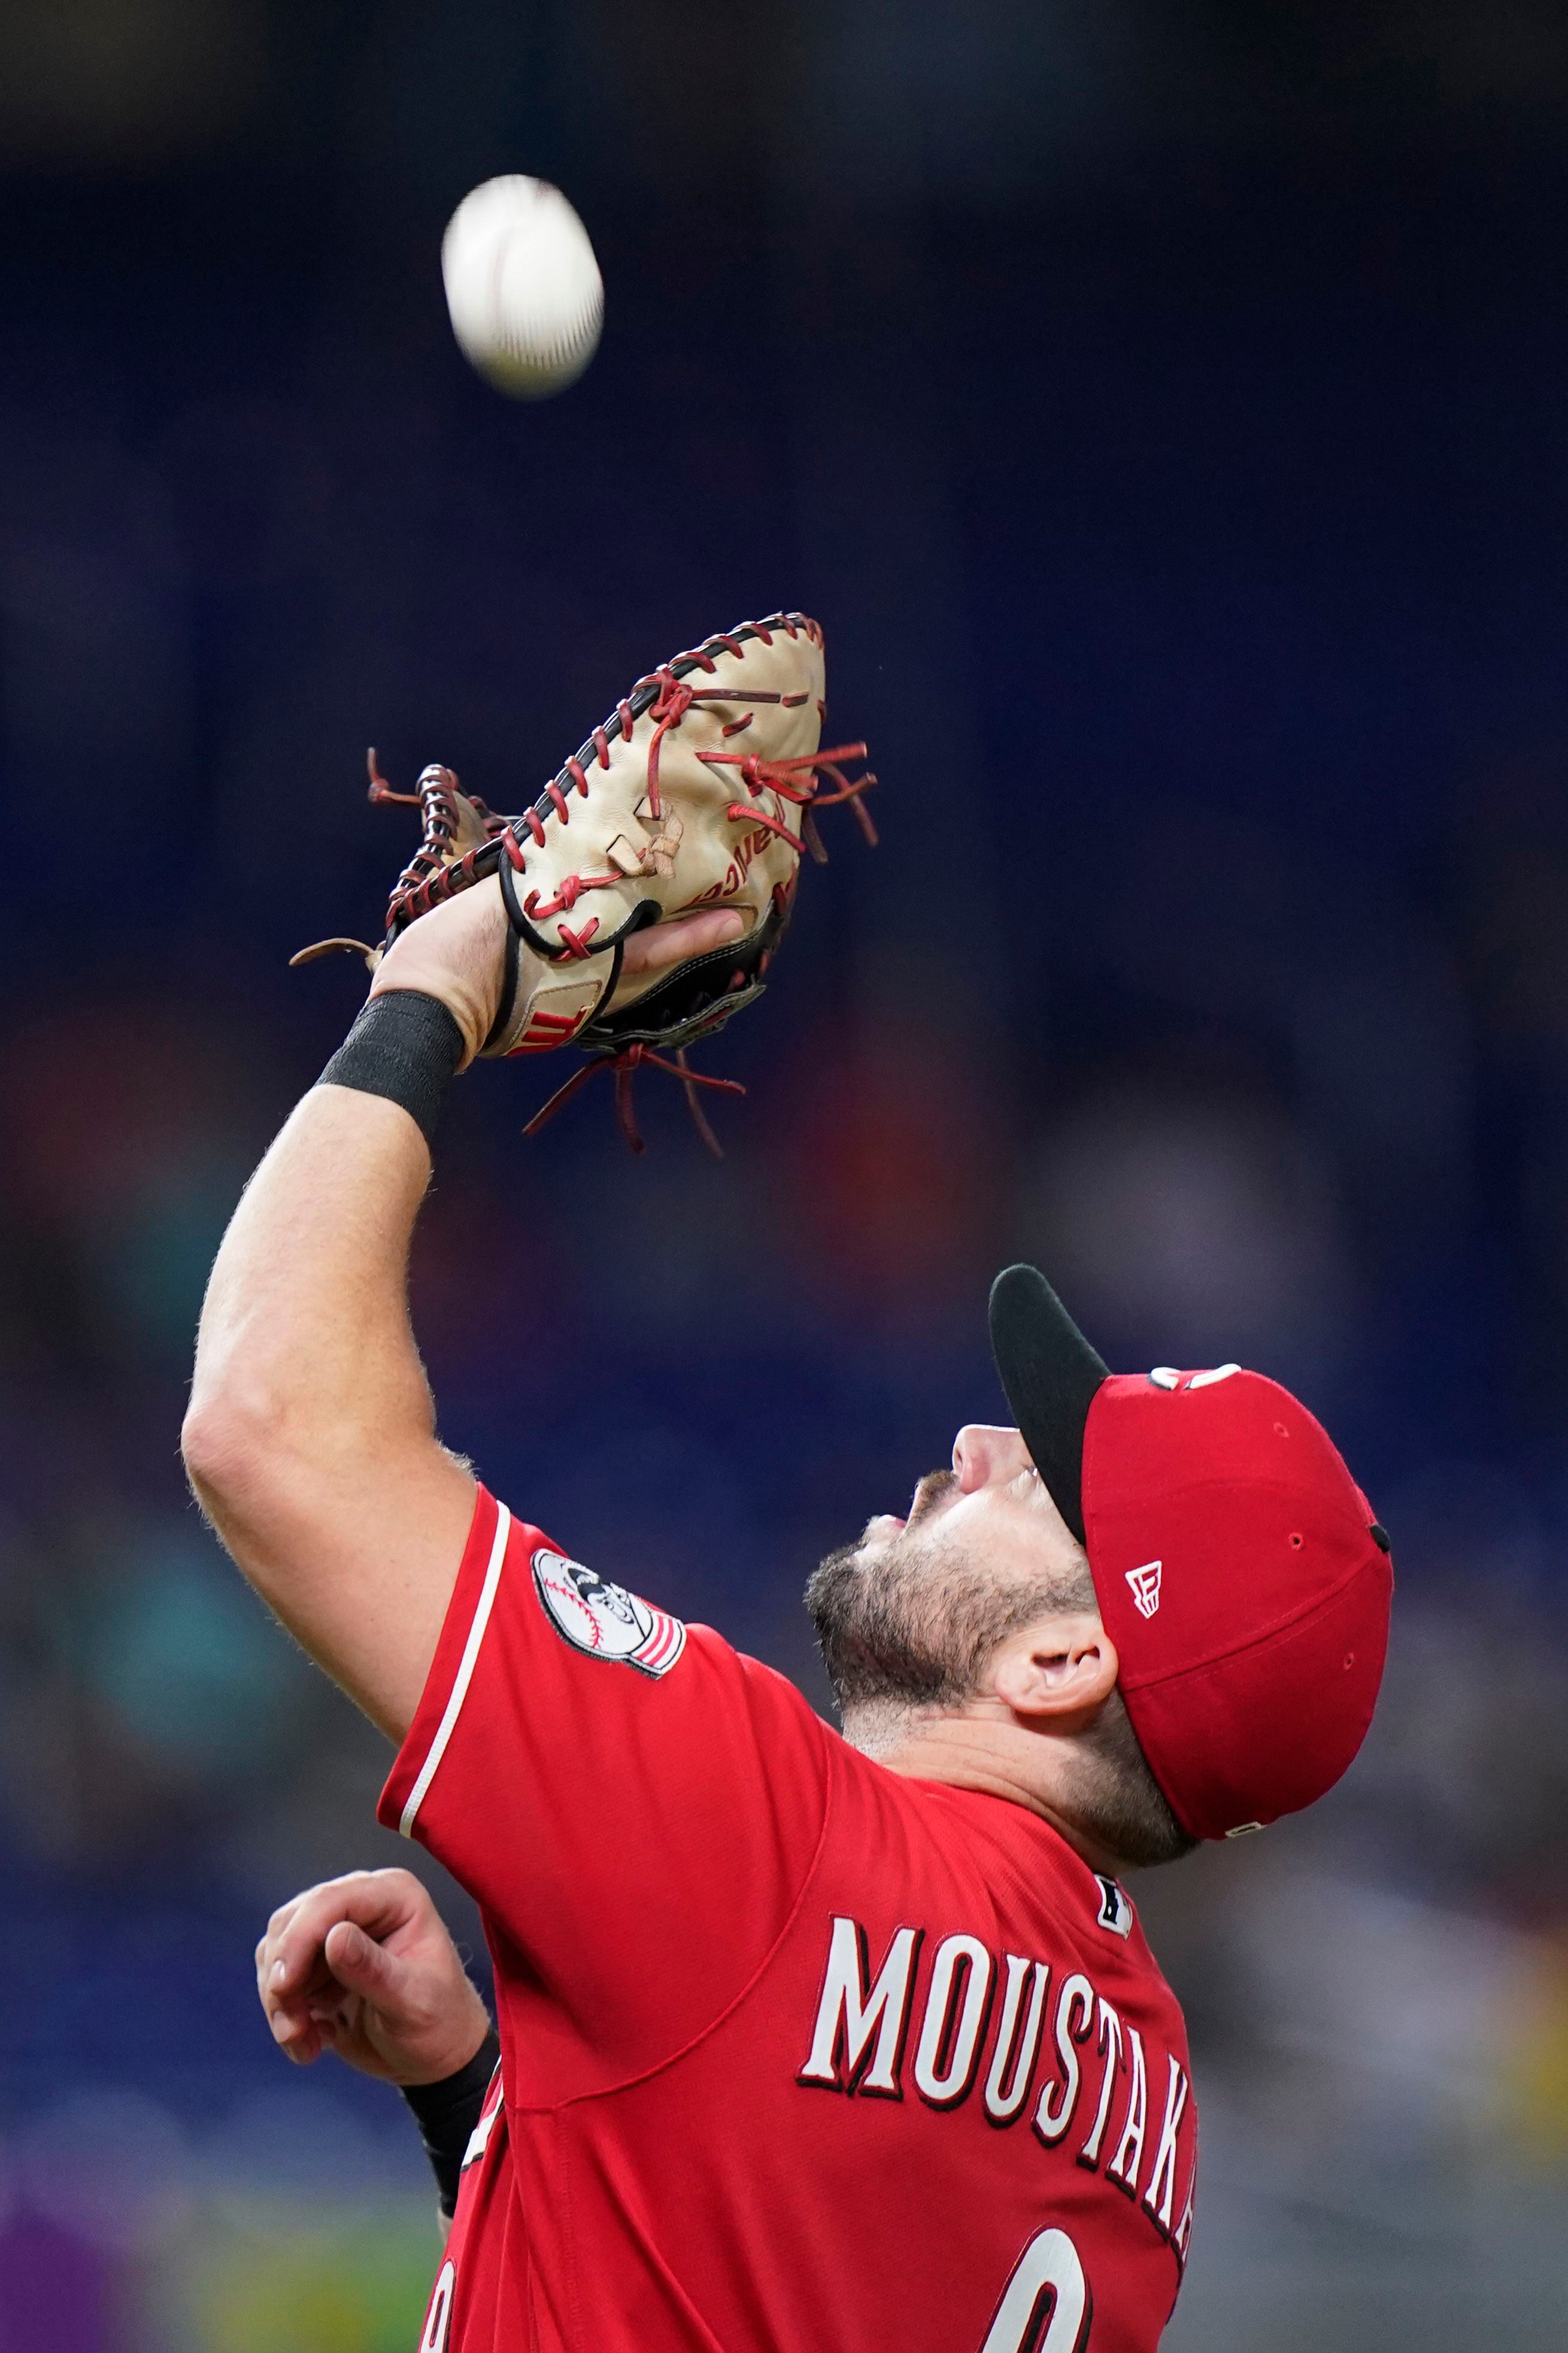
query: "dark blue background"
1163, 411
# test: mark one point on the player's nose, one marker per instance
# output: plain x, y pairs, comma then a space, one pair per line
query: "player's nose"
984, 1456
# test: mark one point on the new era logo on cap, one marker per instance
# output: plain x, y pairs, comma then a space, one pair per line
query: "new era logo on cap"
1145, 1584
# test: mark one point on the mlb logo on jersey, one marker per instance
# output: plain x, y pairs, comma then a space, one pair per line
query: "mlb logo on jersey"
603, 1620
1115, 1906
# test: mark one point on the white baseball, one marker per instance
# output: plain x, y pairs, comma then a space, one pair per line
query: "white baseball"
523, 286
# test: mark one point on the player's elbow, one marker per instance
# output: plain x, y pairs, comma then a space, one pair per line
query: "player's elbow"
232, 1442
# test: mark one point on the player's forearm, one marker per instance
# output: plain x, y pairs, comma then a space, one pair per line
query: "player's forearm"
304, 1337
311, 1440
305, 1333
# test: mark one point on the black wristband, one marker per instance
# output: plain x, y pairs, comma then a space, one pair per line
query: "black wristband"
406, 1046
446, 2114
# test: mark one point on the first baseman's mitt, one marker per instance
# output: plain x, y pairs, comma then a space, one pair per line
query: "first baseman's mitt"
697, 791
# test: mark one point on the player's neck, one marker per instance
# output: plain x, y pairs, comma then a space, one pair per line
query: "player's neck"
998, 1760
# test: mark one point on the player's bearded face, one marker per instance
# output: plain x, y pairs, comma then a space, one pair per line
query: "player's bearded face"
911, 1613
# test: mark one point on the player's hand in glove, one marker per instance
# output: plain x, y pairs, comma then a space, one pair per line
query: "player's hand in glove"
695, 795
458, 953
363, 1966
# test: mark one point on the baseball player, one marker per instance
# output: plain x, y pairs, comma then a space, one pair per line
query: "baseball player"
807, 2039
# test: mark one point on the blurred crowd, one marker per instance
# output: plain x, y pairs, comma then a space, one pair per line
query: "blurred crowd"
1185, 510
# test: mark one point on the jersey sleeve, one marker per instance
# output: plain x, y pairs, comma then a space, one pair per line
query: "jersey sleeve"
635, 1805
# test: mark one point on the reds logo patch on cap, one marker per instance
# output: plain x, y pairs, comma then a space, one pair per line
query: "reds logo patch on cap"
604, 1621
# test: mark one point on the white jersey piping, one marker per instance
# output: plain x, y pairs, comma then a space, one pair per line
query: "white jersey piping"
464, 1676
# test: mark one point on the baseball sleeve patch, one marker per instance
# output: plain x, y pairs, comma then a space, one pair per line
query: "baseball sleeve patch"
604, 1620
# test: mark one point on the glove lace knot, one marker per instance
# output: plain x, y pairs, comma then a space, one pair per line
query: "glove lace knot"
674, 700
798, 780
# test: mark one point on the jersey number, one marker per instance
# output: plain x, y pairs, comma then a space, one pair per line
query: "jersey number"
1046, 2307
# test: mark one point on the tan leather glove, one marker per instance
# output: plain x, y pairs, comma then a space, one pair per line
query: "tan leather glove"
696, 793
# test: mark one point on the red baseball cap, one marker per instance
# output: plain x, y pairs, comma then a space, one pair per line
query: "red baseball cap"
1238, 1567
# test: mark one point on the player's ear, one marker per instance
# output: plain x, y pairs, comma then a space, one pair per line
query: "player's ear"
1057, 1668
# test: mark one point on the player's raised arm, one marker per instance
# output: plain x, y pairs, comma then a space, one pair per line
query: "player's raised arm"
310, 1439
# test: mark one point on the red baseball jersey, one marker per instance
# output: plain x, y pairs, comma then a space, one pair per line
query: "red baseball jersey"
797, 2053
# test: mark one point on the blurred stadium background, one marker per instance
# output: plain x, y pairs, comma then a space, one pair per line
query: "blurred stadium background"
1164, 407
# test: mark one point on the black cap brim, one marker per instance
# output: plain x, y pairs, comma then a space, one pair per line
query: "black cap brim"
1050, 1375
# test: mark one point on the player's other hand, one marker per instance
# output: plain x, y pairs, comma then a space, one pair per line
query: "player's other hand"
458, 953
363, 1966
